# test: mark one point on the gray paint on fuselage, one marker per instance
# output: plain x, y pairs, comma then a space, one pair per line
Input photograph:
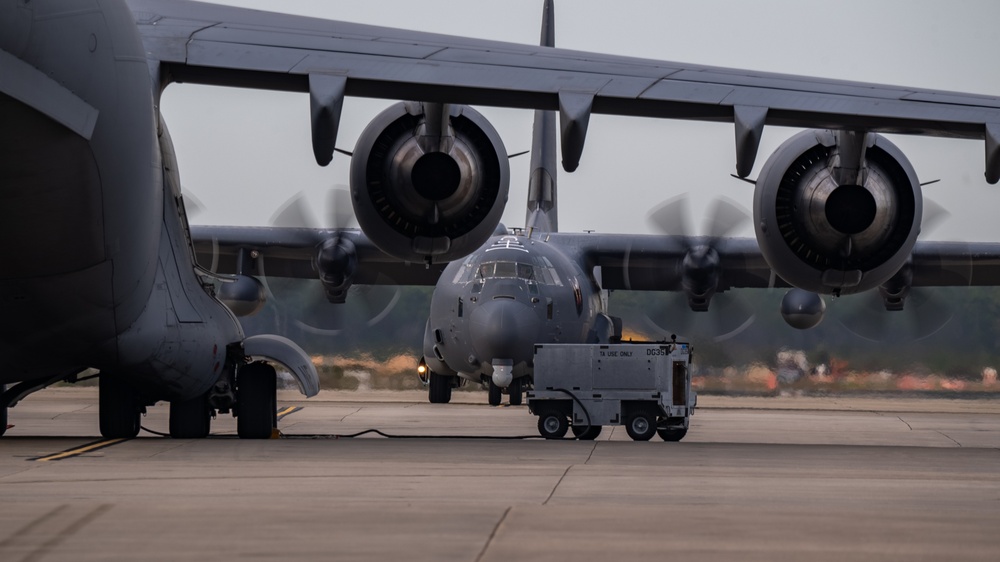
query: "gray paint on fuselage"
466, 322
97, 264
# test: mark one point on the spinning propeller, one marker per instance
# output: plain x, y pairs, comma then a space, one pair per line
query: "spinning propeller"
343, 305
698, 308
896, 312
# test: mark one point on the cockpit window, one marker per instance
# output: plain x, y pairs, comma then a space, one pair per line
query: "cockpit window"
541, 272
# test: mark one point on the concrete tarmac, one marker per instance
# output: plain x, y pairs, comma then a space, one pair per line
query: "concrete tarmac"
755, 479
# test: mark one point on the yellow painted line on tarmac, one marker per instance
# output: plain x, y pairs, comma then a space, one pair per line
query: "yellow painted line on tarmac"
77, 451
288, 411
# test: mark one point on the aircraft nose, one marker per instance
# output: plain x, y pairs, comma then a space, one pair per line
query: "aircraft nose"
504, 328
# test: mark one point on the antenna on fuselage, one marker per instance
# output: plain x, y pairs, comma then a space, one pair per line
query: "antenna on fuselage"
542, 213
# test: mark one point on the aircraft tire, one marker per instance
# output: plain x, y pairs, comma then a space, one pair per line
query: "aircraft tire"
496, 395
514, 393
3, 412
552, 424
255, 401
119, 410
641, 425
439, 389
672, 435
586, 432
190, 419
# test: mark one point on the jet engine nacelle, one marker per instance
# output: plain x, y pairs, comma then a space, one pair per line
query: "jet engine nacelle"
426, 186
837, 237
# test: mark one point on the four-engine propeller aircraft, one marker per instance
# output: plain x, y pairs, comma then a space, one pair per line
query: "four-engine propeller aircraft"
98, 269
537, 285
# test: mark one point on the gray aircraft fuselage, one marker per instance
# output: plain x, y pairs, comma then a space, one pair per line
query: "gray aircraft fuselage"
489, 310
96, 264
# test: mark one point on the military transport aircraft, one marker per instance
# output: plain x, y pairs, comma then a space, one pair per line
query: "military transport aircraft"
98, 268
537, 285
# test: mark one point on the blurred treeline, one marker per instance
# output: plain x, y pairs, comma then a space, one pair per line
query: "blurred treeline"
949, 331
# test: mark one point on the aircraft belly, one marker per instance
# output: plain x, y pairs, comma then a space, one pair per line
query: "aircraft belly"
51, 323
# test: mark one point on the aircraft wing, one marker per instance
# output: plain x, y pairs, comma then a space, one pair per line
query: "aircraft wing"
292, 252
656, 262
211, 44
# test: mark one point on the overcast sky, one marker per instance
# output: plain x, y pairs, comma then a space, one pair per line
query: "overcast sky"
244, 153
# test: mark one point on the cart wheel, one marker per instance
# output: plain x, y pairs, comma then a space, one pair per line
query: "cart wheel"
552, 424
672, 434
641, 426
586, 432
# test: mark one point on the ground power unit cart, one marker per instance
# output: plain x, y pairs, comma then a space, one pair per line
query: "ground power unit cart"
644, 386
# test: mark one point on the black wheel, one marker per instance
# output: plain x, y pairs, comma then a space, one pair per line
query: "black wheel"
190, 419
514, 394
3, 412
672, 434
495, 394
552, 424
439, 389
255, 401
586, 432
120, 410
641, 425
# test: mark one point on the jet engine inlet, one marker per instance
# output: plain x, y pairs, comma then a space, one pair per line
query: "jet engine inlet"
836, 238
426, 188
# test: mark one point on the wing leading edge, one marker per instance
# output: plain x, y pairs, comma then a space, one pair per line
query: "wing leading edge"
211, 44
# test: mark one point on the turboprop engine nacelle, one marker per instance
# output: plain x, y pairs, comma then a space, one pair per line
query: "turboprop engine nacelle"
837, 213
429, 181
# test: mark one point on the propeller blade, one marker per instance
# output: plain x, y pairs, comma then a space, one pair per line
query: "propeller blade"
728, 316
725, 217
671, 216
293, 214
192, 205
934, 215
925, 312
339, 206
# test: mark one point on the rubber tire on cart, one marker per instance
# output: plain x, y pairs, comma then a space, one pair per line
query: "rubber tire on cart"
439, 389
552, 424
641, 425
586, 432
672, 435
514, 393
496, 394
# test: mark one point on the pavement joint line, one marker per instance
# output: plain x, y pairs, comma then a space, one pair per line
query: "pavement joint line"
493, 534
74, 527
31, 525
77, 451
554, 488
